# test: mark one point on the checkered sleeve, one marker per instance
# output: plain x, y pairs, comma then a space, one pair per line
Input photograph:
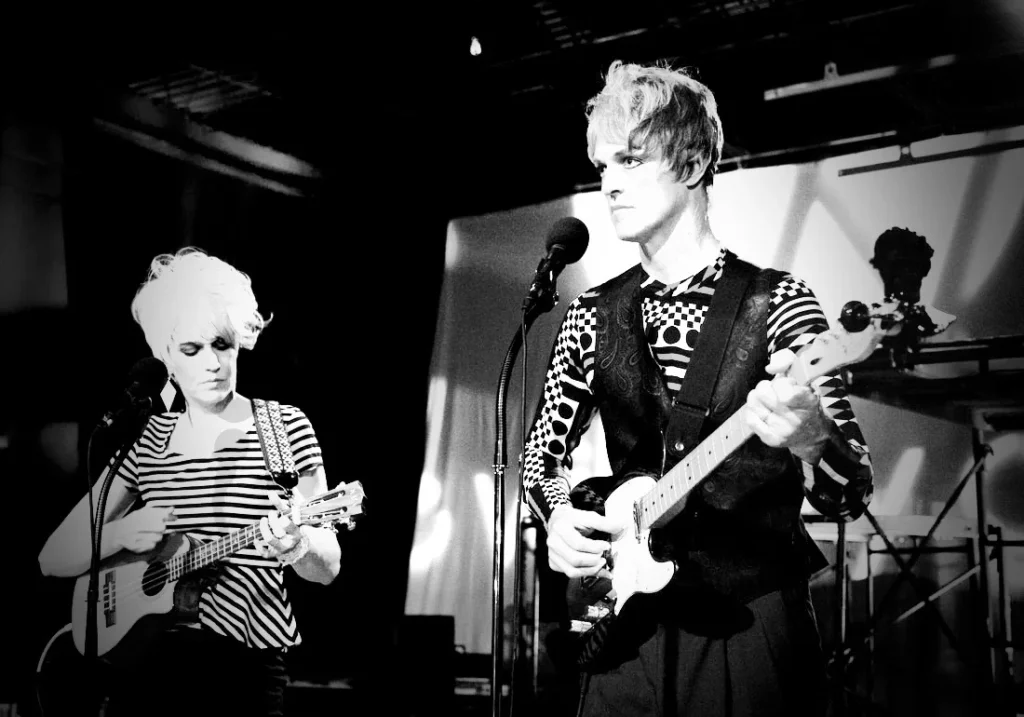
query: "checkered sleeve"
840, 485
563, 414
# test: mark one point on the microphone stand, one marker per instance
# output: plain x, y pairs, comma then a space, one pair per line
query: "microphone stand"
92, 593
542, 298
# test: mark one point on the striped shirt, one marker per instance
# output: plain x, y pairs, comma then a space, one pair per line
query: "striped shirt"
840, 485
218, 495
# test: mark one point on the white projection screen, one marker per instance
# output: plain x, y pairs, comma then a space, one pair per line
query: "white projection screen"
807, 219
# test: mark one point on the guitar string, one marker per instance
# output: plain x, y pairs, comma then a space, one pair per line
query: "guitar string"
156, 578
209, 555
206, 553
730, 435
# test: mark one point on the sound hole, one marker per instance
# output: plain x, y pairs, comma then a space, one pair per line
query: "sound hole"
155, 578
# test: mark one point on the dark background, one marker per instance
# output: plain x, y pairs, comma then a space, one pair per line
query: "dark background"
405, 130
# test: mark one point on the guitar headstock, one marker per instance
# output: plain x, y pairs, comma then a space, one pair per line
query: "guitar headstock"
862, 330
340, 506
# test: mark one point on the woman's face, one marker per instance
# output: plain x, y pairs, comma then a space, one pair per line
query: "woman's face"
204, 360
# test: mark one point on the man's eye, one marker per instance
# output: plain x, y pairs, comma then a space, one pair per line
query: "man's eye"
189, 350
632, 162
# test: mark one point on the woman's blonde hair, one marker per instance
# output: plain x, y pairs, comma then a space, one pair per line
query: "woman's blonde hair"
192, 280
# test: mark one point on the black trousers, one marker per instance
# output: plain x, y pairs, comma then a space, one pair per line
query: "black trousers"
706, 657
198, 673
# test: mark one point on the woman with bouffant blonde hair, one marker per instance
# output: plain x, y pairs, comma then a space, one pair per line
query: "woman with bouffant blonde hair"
202, 472
189, 283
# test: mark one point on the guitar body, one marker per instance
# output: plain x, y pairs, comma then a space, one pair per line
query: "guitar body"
635, 565
136, 589
132, 586
638, 561
635, 568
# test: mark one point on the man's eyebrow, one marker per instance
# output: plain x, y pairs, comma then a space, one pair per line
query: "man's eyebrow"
634, 151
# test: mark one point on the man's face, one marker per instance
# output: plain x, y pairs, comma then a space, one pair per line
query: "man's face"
645, 198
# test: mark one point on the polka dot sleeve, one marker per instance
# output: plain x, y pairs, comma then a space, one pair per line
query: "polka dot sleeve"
565, 411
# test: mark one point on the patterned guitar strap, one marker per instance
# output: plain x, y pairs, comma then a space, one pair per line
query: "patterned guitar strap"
277, 454
277, 451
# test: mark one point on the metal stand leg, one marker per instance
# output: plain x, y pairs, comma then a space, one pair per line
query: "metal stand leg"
839, 664
986, 676
869, 612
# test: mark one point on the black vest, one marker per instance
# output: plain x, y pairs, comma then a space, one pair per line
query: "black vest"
741, 533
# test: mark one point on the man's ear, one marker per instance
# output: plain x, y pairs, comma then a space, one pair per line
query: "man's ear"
698, 165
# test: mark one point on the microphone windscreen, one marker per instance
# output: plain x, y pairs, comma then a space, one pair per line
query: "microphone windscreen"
149, 372
571, 236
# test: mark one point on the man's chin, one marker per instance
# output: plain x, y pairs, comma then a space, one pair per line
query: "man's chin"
631, 237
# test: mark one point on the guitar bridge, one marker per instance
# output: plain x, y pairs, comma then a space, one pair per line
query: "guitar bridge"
110, 598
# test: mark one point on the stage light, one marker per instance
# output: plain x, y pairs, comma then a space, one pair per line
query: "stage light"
431, 542
474, 47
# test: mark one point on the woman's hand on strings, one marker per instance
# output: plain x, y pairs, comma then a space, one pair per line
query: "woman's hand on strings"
141, 530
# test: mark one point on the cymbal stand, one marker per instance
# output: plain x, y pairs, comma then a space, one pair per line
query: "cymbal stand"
849, 653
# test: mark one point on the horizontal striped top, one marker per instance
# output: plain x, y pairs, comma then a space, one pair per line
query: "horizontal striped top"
217, 495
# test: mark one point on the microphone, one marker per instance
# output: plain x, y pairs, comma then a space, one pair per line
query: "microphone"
566, 243
145, 380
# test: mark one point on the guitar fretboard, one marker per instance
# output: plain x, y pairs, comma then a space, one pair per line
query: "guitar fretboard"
666, 500
208, 553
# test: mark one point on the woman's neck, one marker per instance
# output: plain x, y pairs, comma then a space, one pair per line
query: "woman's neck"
233, 409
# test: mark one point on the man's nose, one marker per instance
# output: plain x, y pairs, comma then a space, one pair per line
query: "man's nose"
610, 185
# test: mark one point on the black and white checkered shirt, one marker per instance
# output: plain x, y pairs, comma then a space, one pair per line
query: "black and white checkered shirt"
672, 319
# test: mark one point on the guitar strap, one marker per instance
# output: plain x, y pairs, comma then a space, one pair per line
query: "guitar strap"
277, 451
693, 399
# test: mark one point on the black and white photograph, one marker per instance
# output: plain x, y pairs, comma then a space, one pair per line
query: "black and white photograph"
540, 358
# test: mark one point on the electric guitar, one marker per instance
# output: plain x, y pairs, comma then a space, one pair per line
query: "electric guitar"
643, 503
133, 586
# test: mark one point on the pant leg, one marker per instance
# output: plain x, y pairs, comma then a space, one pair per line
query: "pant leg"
201, 674
713, 659
776, 667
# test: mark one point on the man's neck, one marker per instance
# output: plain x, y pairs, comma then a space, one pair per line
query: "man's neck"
689, 248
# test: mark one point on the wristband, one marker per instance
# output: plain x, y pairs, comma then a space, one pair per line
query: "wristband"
296, 553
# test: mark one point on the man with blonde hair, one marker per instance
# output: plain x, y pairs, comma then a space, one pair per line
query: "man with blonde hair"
734, 632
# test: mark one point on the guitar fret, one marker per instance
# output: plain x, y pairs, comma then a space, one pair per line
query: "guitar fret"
692, 469
207, 553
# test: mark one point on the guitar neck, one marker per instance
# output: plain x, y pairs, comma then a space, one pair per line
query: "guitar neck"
667, 498
206, 554
665, 501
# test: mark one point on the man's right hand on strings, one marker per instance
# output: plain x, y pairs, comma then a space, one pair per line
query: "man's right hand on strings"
570, 551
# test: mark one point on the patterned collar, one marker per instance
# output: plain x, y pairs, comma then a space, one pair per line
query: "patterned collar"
703, 279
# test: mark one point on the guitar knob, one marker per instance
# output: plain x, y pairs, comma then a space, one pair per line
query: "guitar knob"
855, 316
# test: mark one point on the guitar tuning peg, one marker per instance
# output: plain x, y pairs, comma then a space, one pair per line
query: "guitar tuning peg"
855, 316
